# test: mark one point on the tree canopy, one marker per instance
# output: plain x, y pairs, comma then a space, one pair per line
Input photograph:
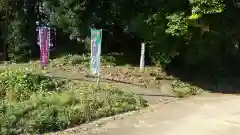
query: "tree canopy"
192, 31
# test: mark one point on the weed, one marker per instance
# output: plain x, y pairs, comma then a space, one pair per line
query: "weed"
33, 103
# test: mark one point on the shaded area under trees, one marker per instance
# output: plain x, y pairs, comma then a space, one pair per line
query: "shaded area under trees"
196, 36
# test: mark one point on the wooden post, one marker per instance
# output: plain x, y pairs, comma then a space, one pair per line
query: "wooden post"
142, 57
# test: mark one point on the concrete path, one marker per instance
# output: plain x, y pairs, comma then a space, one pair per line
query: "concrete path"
202, 115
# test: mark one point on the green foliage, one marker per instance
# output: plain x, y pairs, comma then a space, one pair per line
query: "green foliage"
18, 47
16, 28
171, 29
77, 59
184, 89
41, 110
84, 60
207, 6
177, 25
23, 82
108, 60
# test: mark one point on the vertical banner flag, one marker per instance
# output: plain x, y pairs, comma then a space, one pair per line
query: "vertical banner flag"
96, 39
44, 38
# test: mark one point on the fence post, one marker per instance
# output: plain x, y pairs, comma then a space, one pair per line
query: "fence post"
142, 57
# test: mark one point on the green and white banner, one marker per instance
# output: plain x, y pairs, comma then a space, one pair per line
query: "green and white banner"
96, 40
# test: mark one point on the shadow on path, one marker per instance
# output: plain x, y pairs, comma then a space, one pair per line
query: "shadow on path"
224, 81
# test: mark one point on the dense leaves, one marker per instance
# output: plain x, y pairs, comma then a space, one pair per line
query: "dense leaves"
192, 30
33, 103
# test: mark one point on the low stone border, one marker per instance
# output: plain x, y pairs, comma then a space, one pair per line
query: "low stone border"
84, 129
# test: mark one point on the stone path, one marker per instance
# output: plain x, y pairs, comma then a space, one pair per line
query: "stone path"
211, 114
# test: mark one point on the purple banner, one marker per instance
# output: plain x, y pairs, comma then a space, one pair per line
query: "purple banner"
44, 39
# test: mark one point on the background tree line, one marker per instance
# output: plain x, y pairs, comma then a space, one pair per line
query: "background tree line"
187, 33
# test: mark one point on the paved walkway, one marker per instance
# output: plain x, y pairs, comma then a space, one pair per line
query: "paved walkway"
202, 115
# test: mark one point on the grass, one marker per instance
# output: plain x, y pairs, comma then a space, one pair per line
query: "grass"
31, 102
34, 102
75, 66
152, 76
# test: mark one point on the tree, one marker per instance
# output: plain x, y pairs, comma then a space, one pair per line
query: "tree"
191, 30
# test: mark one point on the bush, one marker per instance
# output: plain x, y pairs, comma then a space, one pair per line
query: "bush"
73, 60
42, 110
183, 89
23, 82
84, 60
18, 45
108, 60
80, 59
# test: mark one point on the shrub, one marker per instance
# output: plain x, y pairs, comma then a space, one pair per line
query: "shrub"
108, 60
79, 59
18, 45
183, 89
84, 60
23, 82
29, 105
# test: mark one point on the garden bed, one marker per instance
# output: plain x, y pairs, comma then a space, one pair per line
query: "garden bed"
32, 102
